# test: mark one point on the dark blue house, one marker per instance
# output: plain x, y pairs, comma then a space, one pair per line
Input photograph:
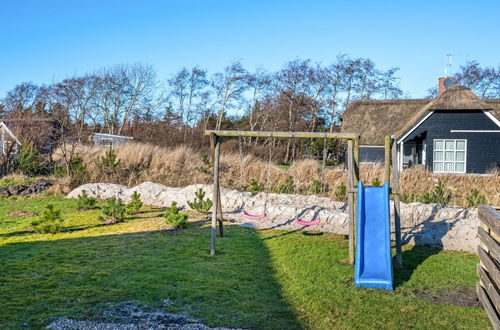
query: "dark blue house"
454, 133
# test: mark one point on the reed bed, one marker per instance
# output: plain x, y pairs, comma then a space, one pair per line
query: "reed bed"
183, 166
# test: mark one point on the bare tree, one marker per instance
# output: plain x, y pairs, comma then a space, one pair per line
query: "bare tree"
293, 82
125, 90
334, 86
179, 91
365, 78
259, 84
388, 84
484, 82
228, 87
22, 98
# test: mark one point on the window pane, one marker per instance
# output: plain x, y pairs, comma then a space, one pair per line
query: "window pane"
460, 167
438, 144
449, 156
438, 167
460, 156
460, 145
450, 144
438, 155
448, 167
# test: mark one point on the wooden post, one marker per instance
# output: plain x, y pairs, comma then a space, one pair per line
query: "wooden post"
397, 206
215, 193
220, 221
356, 161
219, 214
387, 160
350, 198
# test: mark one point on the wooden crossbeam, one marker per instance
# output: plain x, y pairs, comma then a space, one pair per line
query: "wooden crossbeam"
300, 135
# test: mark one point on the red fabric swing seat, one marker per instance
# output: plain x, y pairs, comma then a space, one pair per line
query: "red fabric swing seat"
307, 223
254, 216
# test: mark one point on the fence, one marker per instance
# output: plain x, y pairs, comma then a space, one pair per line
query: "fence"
488, 267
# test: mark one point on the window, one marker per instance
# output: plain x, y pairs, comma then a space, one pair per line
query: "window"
450, 156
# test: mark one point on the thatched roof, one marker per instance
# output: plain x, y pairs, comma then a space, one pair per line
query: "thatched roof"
376, 119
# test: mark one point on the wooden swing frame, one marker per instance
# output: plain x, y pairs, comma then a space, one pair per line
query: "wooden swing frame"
353, 178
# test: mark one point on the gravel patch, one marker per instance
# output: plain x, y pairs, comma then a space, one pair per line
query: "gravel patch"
135, 316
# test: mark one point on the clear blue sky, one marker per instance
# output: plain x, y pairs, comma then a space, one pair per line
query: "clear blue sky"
45, 41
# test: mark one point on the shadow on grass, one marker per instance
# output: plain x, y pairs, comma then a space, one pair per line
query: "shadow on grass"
412, 259
77, 277
17, 233
428, 240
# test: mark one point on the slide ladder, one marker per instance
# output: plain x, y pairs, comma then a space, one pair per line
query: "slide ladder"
373, 264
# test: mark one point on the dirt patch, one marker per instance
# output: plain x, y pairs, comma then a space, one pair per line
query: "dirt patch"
22, 214
132, 315
461, 297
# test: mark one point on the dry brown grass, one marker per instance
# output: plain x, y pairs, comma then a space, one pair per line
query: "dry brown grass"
182, 166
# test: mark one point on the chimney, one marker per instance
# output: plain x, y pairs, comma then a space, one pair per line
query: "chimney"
441, 87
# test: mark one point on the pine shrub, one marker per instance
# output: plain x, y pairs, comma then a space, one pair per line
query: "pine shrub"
135, 204
340, 192
315, 186
30, 162
85, 202
255, 187
440, 195
287, 187
199, 203
376, 182
174, 218
49, 222
113, 211
475, 198
207, 164
109, 163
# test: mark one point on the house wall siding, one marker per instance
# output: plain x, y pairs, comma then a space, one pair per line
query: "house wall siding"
483, 149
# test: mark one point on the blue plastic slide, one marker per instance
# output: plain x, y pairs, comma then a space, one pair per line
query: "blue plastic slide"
373, 264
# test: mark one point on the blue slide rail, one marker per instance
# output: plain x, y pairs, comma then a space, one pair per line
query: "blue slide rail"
373, 264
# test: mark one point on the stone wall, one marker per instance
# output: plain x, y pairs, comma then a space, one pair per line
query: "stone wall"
447, 227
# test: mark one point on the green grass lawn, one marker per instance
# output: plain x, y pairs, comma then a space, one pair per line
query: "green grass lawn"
259, 279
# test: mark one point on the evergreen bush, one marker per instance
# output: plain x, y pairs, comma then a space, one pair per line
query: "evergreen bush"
315, 186
287, 187
113, 211
255, 187
30, 162
439, 195
199, 203
85, 202
109, 163
340, 192
50, 221
475, 198
135, 204
174, 218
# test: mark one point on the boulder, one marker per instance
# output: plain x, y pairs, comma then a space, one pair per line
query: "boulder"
447, 227
15, 189
4, 192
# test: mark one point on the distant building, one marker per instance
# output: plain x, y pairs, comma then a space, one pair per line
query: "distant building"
106, 140
454, 133
9, 144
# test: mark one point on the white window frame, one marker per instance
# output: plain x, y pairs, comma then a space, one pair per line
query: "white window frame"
444, 155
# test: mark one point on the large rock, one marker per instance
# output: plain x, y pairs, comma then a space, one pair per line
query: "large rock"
447, 227
99, 190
